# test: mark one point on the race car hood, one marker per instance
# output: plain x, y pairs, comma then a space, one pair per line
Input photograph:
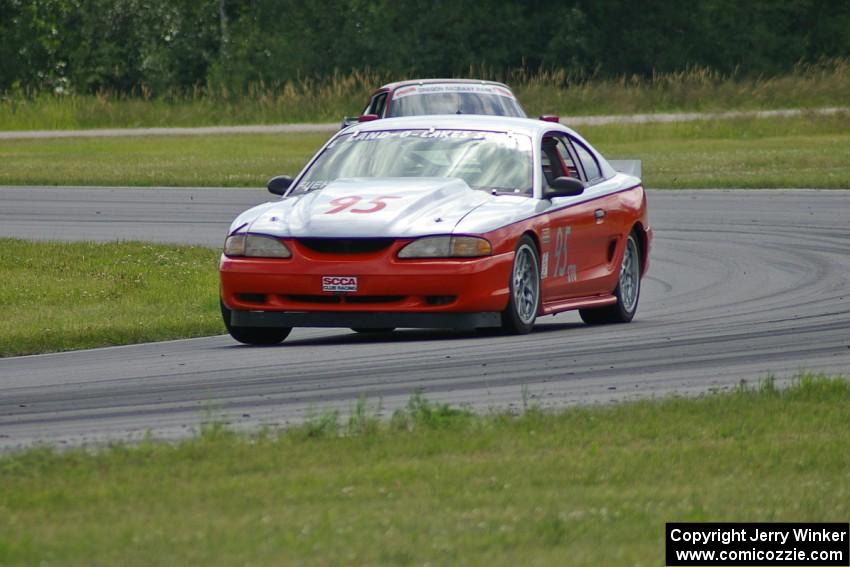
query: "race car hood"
361, 207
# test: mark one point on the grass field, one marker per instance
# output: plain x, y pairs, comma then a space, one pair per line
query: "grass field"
226, 161
58, 296
582, 487
811, 151
806, 151
542, 92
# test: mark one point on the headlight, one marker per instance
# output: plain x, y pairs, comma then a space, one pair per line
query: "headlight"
255, 246
447, 247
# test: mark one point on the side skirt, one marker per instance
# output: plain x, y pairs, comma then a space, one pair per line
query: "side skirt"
577, 303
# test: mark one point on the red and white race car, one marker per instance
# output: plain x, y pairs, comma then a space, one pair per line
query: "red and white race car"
439, 96
441, 222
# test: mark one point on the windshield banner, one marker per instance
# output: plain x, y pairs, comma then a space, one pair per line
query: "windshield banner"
452, 88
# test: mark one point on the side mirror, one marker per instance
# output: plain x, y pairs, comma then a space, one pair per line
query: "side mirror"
367, 117
550, 118
278, 185
565, 187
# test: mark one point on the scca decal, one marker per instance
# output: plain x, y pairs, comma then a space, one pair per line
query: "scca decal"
334, 280
339, 283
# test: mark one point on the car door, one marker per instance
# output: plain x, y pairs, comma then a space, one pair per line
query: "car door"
574, 242
605, 200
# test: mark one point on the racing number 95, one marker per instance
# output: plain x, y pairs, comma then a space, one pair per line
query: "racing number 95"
342, 203
560, 265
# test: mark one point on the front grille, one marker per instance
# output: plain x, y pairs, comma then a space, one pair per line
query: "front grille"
315, 298
345, 245
440, 299
373, 298
345, 298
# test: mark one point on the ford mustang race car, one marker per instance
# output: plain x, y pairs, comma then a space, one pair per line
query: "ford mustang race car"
439, 222
439, 96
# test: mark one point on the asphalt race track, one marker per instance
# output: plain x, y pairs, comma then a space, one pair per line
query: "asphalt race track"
743, 284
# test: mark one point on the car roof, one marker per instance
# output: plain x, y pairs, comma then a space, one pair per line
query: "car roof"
398, 84
528, 126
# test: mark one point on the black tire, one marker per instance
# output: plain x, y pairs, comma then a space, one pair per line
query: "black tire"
368, 331
258, 336
627, 298
518, 318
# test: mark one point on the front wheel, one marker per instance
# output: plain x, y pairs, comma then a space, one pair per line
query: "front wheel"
627, 292
259, 336
524, 302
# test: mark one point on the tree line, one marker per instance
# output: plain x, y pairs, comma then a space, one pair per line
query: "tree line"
152, 47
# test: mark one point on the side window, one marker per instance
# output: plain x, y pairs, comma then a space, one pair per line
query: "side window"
588, 162
567, 158
556, 159
377, 105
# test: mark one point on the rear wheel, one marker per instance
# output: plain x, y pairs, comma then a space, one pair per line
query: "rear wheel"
254, 335
627, 292
378, 330
524, 302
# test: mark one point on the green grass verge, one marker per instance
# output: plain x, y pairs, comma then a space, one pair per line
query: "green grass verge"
585, 486
807, 151
223, 161
545, 92
61, 296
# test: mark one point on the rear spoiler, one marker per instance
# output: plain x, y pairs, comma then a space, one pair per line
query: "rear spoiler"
627, 166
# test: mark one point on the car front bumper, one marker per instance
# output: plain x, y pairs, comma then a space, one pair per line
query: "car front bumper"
365, 319
432, 293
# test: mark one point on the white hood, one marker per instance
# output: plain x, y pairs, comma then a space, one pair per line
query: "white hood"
361, 207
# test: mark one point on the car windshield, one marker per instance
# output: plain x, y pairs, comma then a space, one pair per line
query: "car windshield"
419, 100
490, 161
